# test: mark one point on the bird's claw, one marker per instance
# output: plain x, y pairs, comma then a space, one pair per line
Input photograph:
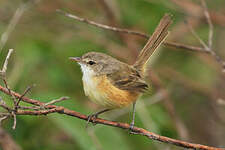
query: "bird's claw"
131, 128
91, 118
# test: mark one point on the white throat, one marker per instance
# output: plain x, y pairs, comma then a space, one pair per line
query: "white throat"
88, 81
87, 78
87, 71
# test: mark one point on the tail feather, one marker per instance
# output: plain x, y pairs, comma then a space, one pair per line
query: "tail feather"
153, 43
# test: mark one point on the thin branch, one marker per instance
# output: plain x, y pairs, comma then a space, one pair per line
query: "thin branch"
29, 107
25, 92
137, 130
4, 106
4, 68
8, 88
40, 112
3, 74
56, 100
3, 118
103, 26
197, 37
43, 106
116, 29
3, 114
208, 18
10, 111
14, 120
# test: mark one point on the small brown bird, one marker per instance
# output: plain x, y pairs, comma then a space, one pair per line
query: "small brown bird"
113, 84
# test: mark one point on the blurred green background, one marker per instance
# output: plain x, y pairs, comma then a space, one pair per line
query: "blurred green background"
187, 94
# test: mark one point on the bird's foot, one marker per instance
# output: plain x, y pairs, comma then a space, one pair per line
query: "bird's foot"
131, 128
92, 118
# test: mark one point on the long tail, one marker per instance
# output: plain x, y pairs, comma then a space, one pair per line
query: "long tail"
153, 43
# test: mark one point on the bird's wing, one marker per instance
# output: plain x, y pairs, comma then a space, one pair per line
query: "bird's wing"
128, 79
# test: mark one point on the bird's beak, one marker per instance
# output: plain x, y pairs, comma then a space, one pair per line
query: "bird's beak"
77, 59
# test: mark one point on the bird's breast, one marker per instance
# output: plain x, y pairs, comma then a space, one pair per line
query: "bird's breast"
101, 91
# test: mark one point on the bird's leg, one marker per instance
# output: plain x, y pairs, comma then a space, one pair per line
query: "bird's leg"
95, 115
133, 117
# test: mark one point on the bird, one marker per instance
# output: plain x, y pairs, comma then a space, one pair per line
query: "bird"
114, 84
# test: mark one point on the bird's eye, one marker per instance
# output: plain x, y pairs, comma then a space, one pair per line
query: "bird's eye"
91, 62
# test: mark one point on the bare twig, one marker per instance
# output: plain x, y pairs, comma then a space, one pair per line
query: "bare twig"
137, 130
2, 114
44, 106
3, 73
40, 112
116, 29
6, 115
208, 18
29, 107
8, 88
56, 100
4, 68
103, 26
25, 92
197, 37
3, 105
3, 118
14, 120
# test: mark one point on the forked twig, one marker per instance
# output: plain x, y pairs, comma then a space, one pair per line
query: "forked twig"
208, 47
